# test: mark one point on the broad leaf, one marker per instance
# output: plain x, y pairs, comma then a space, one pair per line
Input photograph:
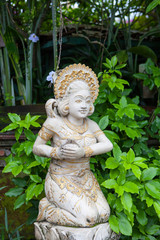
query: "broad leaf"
141, 217
14, 192
103, 123
131, 187
124, 225
126, 200
20, 201
149, 174
113, 222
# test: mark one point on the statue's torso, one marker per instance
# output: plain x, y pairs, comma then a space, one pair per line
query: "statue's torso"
63, 134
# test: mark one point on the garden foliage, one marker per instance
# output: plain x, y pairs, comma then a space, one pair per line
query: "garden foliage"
129, 176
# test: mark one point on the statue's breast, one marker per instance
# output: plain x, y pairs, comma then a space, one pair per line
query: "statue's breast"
64, 134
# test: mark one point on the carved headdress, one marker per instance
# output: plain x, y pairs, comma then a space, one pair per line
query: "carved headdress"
76, 72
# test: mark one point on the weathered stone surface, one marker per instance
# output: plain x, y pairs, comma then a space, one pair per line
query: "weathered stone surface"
47, 231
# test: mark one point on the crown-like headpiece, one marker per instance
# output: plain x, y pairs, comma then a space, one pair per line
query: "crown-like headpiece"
76, 72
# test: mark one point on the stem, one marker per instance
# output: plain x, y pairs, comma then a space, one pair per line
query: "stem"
54, 34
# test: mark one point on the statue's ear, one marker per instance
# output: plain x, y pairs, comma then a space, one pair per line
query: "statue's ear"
50, 106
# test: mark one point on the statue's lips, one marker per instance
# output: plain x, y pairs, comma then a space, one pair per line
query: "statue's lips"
82, 111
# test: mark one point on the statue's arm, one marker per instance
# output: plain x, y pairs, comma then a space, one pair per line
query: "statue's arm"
103, 144
40, 148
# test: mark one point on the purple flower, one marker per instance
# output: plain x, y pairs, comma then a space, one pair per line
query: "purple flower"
33, 37
52, 77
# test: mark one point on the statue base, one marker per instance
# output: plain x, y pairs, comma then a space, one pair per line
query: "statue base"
48, 231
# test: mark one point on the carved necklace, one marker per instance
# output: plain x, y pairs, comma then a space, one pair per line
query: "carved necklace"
79, 129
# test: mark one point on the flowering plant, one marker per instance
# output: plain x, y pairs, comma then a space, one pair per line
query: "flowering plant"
33, 37
52, 77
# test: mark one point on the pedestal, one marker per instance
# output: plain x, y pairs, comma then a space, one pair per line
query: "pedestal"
47, 231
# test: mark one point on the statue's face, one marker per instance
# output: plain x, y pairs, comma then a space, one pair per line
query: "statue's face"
79, 104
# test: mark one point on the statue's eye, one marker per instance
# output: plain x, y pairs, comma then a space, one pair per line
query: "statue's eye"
78, 101
88, 101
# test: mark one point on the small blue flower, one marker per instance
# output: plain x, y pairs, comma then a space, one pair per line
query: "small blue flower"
52, 77
33, 37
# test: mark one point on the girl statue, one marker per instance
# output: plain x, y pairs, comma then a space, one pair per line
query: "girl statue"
73, 196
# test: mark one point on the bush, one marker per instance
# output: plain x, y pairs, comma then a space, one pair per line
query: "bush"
131, 185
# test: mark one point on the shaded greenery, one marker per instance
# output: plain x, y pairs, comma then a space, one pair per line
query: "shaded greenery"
116, 21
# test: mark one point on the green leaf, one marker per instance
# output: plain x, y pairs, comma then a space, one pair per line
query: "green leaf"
126, 200
111, 135
20, 182
18, 133
123, 102
117, 152
9, 167
130, 156
124, 225
141, 217
142, 76
131, 133
34, 118
152, 190
121, 177
130, 187
20, 201
29, 135
113, 222
36, 178
153, 229
30, 191
136, 170
28, 147
119, 190
14, 117
149, 174
35, 124
149, 201
112, 97
113, 61
112, 163
156, 205
157, 81
118, 205
10, 127
14, 192
109, 63
110, 183
41, 160
114, 173
152, 5
38, 189
103, 123
28, 118
33, 164
16, 170
120, 66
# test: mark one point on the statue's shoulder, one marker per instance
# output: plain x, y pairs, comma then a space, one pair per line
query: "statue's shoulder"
92, 125
53, 124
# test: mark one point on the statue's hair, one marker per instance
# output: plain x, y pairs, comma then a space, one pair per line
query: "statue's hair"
63, 104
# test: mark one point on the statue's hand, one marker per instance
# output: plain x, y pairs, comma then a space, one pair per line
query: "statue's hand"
71, 151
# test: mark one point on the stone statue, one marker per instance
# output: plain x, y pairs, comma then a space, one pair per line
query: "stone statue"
74, 206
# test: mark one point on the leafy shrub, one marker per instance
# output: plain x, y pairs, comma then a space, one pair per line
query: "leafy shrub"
131, 185
129, 176
29, 168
